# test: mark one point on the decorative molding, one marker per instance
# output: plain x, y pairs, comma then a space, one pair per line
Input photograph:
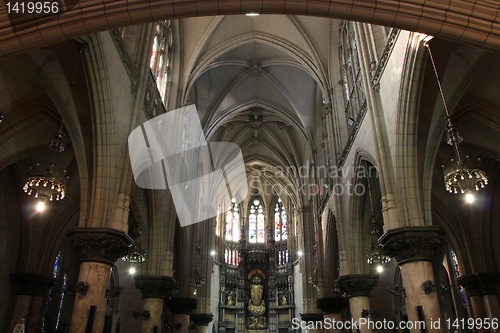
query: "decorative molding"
153, 104
331, 305
409, 244
357, 285
32, 284
103, 245
384, 57
125, 57
479, 284
201, 319
352, 136
155, 286
181, 305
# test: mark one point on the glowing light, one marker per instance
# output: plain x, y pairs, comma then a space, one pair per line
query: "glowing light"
212, 253
380, 269
300, 253
469, 197
131, 270
252, 14
40, 206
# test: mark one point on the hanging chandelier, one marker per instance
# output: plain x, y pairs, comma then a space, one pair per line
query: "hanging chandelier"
461, 175
136, 254
46, 184
376, 254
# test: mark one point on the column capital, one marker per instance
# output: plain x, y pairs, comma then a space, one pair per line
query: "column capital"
315, 317
479, 284
182, 305
201, 319
155, 286
357, 285
32, 284
409, 244
331, 305
102, 245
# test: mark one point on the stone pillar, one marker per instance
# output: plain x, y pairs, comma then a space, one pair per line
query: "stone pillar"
201, 321
97, 250
154, 290
181, 309
481, 289
31, 291
332, 311
358, 288
414, 248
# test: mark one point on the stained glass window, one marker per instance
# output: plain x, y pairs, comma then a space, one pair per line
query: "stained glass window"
280, 222
256, 223
55, 273
233, 222
59, 310
456, 268
160, 55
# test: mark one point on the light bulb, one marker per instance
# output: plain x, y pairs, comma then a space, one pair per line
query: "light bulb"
212, 253
380, 269
40, 206
131, 270
300, 253
469, 197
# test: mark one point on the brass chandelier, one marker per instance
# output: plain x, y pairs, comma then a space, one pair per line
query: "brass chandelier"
461, 175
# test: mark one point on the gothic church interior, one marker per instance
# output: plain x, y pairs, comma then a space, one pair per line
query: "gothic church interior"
352, 135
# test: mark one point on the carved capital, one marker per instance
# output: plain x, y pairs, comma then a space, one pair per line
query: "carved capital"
331, 305
201, 319
182, 305
32, 284
101, 245
479, 284
155, 286
409, 244
357, 285
315, 317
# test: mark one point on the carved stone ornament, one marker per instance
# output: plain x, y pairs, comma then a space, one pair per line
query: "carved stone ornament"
331, 305
479, 284
357, 285
101, 245
201, 319
182, 305
32, 284
155, 286
409, 244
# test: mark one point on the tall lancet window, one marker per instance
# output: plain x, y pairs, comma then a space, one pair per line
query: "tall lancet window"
458, 273
233, 222
161, 55
256, 224
280, 222
354, 96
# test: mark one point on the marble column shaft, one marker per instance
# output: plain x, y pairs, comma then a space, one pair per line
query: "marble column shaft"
332, 308
181, 309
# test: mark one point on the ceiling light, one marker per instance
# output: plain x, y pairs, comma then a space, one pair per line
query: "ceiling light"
40, 206
380, 269
469, 197
212, 253
252, 14
300, 253
131, 270
46, 184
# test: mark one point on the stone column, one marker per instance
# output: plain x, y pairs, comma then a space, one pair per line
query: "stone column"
201, 321
481, 289
154, 290
97, 250
181, 309
358, 288
414, 248
332, 308
31, 291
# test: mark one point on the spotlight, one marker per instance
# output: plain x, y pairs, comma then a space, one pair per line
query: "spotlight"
131, 270
380, 269
469, 197
300, 253
40, 206
212, 253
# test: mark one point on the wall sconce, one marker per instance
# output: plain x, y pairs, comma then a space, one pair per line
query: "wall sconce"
365, 313
428, 286
144, 315
81, 288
